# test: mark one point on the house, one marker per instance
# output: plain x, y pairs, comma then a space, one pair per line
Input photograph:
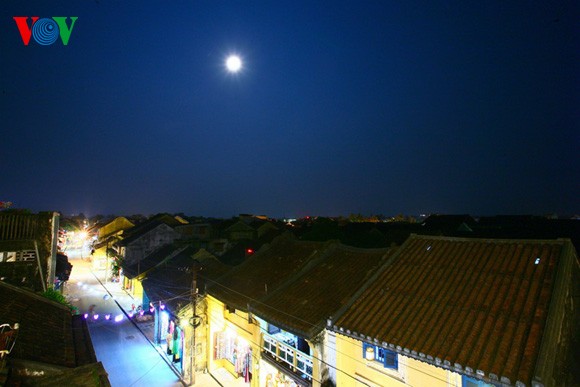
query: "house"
299, 310
169, 289
233, 332
267, 316
449, 224
28, 248
464, 312
142, 240
136, 272
108, 235
49, 345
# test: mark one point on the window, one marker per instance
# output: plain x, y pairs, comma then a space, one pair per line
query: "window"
467, 381
272, 329
381, 355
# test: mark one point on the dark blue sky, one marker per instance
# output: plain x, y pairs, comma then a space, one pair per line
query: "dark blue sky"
341, 107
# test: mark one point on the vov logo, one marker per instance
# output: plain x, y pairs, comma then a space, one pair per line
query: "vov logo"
45, 31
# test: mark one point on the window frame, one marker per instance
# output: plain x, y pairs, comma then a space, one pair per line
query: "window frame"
382, 355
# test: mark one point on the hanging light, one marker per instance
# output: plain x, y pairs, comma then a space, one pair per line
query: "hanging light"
370, 353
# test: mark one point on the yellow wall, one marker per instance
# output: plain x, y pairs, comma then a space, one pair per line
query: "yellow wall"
118, 224
135, 288
352, 366
220, 320
99, 259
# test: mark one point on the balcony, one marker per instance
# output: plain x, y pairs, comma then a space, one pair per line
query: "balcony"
291, 359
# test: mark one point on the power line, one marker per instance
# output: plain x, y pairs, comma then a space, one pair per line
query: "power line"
186, 291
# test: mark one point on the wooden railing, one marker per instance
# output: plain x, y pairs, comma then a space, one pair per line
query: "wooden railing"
297, 361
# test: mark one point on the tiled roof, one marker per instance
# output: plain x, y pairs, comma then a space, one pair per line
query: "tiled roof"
132, 234
151, 260
263, 272
306, 301
46, 328
171, 281
90, 375
461, 303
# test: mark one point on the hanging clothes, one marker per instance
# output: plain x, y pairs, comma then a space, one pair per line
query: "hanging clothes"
176, 344
247, 370
169, 339
235, 360
181, 341
240, 362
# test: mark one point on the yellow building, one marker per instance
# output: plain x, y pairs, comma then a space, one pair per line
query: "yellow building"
271, 311
108, 235
460, 312
434, 312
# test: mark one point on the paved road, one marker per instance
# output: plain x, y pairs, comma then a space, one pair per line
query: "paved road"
128, 357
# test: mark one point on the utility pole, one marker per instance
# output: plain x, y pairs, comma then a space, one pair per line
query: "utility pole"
106, 260
193, 320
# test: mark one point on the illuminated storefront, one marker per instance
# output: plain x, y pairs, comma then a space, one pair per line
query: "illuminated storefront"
170, 336
271, 376
236, 351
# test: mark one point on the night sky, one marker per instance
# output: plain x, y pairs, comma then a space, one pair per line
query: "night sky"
381, 107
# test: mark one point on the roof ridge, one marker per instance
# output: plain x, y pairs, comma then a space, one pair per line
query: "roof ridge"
370, 280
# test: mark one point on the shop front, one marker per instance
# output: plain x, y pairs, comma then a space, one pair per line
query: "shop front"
235, 355
170, 337
271, 375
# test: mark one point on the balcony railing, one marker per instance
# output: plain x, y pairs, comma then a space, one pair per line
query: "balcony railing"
296, 360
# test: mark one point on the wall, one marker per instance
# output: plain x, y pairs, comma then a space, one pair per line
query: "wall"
354, 370
118, 224
148, 242
235, 324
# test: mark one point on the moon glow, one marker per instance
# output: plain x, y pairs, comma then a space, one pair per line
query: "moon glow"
233, 63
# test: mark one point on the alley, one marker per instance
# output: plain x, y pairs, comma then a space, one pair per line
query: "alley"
127, 355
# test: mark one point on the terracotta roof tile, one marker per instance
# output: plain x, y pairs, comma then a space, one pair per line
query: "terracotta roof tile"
481, 304
304, 303
263, 272
46, 329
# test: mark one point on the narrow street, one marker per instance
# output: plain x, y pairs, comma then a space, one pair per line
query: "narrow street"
128, 357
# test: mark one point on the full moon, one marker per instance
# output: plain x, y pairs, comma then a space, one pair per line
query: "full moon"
233, 63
